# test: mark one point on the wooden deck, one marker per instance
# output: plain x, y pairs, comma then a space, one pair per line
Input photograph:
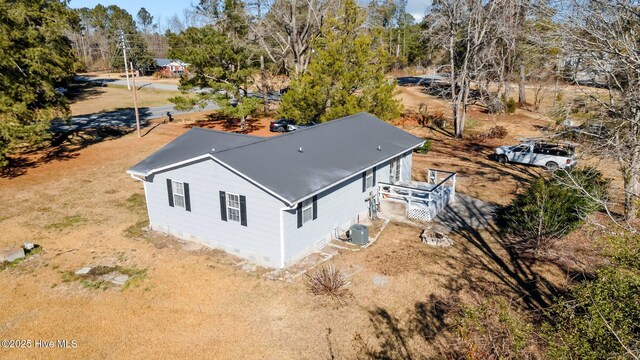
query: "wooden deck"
422, 201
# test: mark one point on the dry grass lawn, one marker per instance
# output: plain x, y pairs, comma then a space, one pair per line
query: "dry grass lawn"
97, 99
201, 304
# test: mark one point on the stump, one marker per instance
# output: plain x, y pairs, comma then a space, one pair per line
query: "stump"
435, 238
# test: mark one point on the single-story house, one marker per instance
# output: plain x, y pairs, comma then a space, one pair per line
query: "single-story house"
272, 200
171, 67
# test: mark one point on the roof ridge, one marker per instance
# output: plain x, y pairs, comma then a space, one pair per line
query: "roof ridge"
333, 121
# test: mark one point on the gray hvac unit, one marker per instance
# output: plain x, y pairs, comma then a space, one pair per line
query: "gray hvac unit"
359, 234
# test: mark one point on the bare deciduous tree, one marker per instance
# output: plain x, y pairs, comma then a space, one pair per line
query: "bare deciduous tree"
605, 35
286, 29
464, 27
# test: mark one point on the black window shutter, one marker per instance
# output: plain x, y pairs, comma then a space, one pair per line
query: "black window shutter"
315, 207
170, 192
187, 198
300, 214
243, 210
374, 176
364, 181
223, 206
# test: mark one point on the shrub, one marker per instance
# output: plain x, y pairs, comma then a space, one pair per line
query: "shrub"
491, 330
495, 106
425, 148
510, 105
600, 318
551, 208
329, 281
496, 132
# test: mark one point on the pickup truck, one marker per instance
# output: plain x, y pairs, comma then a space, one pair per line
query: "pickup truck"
549, 155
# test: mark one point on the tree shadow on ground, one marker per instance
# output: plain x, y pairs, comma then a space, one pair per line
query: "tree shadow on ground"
489, 250
411, 337
67, 138
83, 91
219, 121
484, 264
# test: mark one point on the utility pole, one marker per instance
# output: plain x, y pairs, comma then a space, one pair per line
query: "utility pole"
124, 53
135, 99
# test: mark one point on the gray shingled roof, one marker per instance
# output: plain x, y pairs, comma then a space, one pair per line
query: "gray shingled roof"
331, 152
162, 61
195, 142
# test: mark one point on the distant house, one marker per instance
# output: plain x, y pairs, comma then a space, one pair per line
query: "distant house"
273, 200
171, 67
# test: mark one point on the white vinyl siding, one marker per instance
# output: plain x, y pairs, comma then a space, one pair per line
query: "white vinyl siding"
178, 193
259, 242
307, 211
233, 207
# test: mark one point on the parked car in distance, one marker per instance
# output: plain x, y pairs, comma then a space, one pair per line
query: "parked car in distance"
300, 126
282, 125
552, 156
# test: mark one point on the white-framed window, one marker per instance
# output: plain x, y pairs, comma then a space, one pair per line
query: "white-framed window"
233, 207
307, 211
369, 179
394, 170
178, 193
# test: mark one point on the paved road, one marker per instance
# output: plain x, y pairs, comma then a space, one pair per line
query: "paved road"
273, 96
117, 118
127, 117
422, 80
123, 82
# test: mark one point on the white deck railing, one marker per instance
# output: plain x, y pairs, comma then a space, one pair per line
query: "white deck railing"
424, 200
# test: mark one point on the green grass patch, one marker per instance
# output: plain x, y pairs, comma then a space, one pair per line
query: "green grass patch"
95, 280
67, 222
136, 203
135, 276
471, 123
135, 231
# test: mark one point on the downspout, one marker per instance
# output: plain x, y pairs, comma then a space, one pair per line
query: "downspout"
282, 252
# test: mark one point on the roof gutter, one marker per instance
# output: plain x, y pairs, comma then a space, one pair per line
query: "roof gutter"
137, 176
282, 247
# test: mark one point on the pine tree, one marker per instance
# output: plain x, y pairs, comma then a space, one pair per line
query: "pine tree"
35, 57
113, 20
346, 75
217, 63
145, 20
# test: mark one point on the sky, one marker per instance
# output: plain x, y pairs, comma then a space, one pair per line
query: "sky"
162, 10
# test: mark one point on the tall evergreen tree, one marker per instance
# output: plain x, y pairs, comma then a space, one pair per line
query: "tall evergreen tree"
113, 21
218, 64
145, 20
346, 75
35, 57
